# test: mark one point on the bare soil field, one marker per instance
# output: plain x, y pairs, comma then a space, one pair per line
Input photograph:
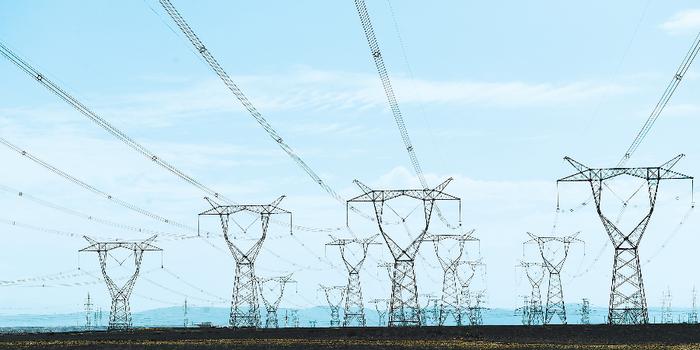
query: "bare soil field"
672, 336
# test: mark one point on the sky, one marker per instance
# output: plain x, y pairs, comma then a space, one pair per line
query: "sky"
494, 94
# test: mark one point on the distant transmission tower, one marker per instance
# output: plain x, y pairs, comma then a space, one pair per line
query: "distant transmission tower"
271, 292
535, 275
693, 315
585, 311
628, 303
524, 311
450, 305
472, 300
354, 313
382, 307
403, 308
120, 314
666, 313
554, 251
88, 313
334, 297
185, 321
244, 304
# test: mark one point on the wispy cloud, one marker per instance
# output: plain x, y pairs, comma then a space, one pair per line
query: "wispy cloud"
310, 90
683, 21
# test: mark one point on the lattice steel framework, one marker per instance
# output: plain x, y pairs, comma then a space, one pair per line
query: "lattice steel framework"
585, 311
404, 309
334, 296
382, 307
354, 312
271, 293
450, 303
471, 301
628, 303
535, 275
120, 313
244, 305
554, 263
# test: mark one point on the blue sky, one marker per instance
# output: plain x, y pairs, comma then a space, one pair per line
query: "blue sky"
494, 94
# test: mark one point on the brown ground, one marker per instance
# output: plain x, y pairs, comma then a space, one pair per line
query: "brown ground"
676, 336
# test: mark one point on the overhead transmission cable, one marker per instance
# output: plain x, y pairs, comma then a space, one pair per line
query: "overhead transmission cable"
665, 97
642, 134
41, 78
391, 98
89, 217
95, 190
248, 105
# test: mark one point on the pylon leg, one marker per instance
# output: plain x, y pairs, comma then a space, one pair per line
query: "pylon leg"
450, 303
628, 303
555, 300
244, 306
403, 308
120, 315
354, 307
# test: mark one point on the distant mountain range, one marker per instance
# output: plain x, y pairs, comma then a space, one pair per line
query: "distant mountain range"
219, 316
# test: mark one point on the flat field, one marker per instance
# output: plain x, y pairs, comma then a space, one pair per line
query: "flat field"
673, 336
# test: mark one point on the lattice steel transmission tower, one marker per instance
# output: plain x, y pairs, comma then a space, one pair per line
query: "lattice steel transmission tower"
382, 307
471, 300
120, 313
271, 293
666, 312
693, 314
244, 304
354, 312
628, 303
450, 304
554, 251
585, 311
535, 275
403, 308
334, 296
88, 313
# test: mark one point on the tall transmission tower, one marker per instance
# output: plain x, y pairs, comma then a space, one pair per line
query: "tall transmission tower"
404, 309
382, 307
585, 311
535, 275
554, 251
120, 313
449, 249
628, 303
334, 296
354, 313
271, 293
244, 304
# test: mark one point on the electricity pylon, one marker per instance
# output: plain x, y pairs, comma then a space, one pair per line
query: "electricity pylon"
120, 313
471, 300
244, 303
403, 308
334, 296
666, 312
554, 251
271, 292
585, 311
382, 307
535, 275
88, 313
450, 305
628, 303
354, 313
